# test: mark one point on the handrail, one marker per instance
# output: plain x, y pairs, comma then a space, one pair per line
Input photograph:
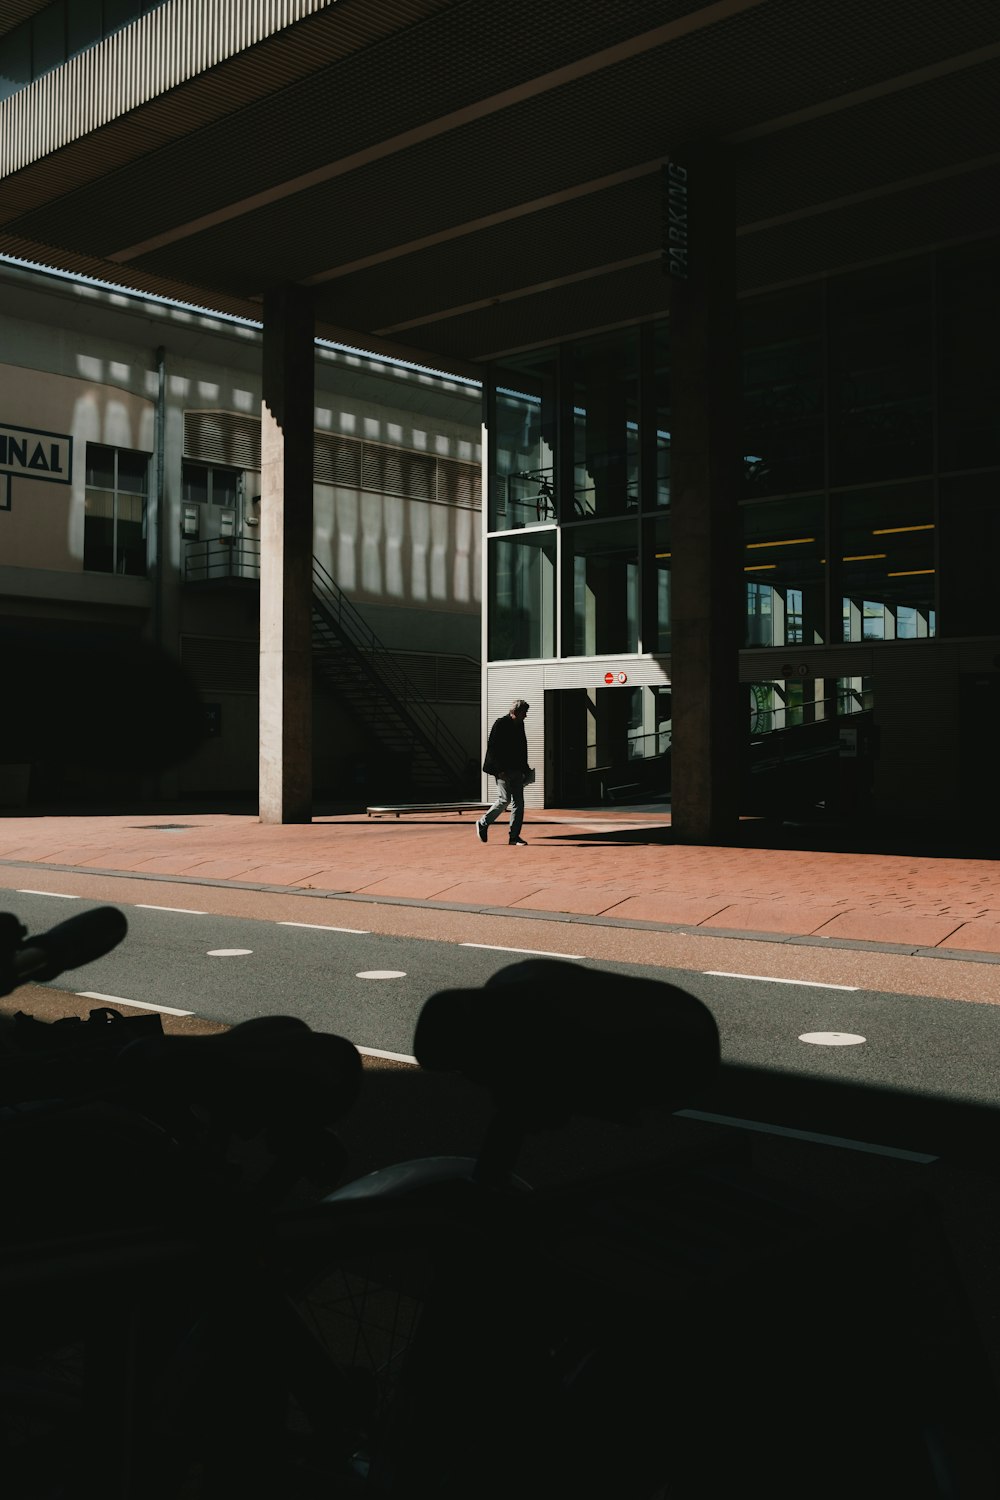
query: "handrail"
355, 630
213, 558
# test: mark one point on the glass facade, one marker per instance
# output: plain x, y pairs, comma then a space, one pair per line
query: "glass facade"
114, 526
580, 457
871, 436
58, 32
870, 456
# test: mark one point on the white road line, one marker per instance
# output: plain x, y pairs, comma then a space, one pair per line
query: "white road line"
807, 1135
166, 1010
62, 895
534, 952
322, 927
188, 911
389, 1056
812, 984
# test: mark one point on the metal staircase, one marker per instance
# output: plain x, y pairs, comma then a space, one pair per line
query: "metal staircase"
350, 659
408, 740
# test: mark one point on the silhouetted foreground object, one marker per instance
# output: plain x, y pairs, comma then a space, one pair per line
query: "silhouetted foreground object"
552, 1040
73, 693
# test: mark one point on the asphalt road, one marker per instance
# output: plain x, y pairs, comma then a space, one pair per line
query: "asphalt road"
369, 986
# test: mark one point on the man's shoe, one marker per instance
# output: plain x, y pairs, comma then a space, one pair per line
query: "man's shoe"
514, 842
481, 830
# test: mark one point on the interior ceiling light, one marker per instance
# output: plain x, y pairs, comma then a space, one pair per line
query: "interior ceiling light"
792, 541
761, 568
909, 573
864, 557
892, 530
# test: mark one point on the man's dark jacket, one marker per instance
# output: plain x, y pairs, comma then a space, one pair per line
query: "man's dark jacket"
506, 748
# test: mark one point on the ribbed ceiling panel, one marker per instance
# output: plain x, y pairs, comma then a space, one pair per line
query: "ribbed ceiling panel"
602, 229
49, 110
335, 141
918, 218
447, 63
712, 82
156, 52
930, 126
13, 12
546, 317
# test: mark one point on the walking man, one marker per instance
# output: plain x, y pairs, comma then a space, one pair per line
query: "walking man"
507, 759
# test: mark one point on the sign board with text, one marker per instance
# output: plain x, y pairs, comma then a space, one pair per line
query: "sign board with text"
32, 453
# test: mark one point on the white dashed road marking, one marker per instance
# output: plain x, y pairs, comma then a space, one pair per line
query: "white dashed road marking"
401, 1057
813, 984
532, 952
227, 952
60, 895
166, 1010
831, 1038
381, 974
187, 911
807, 1135
322, 927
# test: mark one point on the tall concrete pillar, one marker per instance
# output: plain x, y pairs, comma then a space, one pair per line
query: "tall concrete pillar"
286, 547
709, 734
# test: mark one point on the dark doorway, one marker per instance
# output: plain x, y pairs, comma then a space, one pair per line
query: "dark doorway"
607, 745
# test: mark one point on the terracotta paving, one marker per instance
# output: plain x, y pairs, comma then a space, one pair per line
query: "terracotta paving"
618, 866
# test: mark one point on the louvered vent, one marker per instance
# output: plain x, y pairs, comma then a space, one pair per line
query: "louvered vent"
228, 437
222, 437
441, 679
337, 460
221, 665
396, 471
458, 484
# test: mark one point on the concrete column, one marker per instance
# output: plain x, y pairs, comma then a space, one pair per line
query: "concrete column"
709, 732
286, 546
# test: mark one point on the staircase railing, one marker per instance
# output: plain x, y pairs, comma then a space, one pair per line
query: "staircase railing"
214, 560
384, 671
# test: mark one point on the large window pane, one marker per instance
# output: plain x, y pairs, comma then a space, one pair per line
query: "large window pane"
970, 548
881, 376
522, 597
969, 311
194, 484
100, 466
224, 486
884, 548
524, 442
606, 424
783, 393
99, 532
84, 25
15, 60
656, 585
48, 38
784, 565
133, 472
601, 589
657, 403
114, 528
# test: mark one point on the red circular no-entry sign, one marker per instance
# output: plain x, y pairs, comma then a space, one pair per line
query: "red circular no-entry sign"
609, 677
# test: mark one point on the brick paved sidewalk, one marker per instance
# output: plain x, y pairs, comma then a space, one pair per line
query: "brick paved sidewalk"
608, 866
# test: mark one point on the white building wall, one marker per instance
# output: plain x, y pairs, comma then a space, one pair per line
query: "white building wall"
82, 363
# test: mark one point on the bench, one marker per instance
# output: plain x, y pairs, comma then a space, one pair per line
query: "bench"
428, 807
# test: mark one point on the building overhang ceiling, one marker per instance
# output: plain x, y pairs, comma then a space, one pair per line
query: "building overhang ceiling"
464, 179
